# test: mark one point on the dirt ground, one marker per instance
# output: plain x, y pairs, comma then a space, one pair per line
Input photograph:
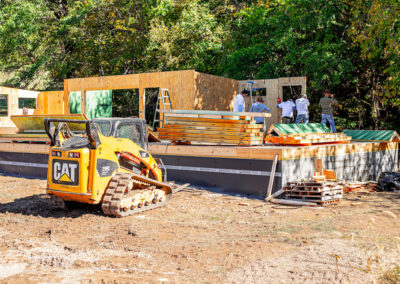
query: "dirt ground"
200, 237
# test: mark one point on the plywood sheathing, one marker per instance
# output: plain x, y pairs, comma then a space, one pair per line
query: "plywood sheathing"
185, 88
274, 90
213, 92
13, 95
50, 103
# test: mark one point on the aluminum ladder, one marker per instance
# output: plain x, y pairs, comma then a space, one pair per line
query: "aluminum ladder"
163, 100
249, 86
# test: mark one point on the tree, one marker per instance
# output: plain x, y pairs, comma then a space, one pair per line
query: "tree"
376, 32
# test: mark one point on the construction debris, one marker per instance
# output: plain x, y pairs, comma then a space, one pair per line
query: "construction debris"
361, 187
180, 188
389, 181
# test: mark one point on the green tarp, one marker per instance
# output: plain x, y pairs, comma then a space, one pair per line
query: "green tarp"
298, 128
372, 135
98, 103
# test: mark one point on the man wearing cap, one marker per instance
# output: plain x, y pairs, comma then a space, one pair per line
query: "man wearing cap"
259, 106
326, 103
238, 104
302, 104
287, 110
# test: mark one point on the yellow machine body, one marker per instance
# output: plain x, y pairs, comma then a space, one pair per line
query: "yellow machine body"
83, 174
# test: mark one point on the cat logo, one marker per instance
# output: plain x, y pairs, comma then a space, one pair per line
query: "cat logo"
65, 172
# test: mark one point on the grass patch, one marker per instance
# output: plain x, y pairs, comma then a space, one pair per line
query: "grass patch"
392, 275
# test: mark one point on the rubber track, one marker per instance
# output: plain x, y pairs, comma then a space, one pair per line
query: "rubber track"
116, 191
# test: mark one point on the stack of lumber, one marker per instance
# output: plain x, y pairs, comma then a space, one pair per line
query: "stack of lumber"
309, 139
322, 193
212, 127
304, 135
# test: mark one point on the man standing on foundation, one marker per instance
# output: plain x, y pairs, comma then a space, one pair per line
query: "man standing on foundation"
239, 104
326, 103
287, 110
302, 104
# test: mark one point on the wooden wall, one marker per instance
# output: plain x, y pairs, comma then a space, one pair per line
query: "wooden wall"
188, 89
274, 88
212, 92
179, 84
50, 103
13, 94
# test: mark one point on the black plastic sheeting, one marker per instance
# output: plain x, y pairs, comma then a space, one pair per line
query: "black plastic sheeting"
389, 181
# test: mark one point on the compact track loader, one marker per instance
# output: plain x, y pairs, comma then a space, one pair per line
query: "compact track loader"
105, 162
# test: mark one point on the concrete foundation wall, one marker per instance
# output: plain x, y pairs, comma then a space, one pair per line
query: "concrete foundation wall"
349, 167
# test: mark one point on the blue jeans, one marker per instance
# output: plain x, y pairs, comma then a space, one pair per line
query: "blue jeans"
328, 118
302, 118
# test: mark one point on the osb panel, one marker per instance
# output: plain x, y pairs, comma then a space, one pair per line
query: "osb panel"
103, 83
13, 95
175, 89
262, 84
149, 80
213, 92
292, 81
40, 104
187, 91
271, 101
50, 103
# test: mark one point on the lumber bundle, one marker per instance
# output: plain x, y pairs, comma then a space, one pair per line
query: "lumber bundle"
322, 193
212, 127
309, 139
304, 135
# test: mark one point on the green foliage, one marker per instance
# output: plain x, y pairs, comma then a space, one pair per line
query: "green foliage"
350, 47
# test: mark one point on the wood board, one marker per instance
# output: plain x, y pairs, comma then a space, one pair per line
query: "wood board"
211, 129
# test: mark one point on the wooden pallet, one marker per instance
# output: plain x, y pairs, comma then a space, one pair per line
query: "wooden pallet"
312, 191
313, 198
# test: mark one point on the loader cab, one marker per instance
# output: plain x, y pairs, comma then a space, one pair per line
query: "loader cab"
132, 128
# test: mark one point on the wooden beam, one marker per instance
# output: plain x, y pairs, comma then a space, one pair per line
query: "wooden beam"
292, 202
25, 148
272, 176
318, 166
142, 103
276, 194
66, 98
203, 113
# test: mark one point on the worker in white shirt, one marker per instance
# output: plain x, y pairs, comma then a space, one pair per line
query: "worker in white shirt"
238, 104
287, 110
302, 104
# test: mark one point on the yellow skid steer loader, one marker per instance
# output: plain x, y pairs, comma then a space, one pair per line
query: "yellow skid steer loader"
105, 162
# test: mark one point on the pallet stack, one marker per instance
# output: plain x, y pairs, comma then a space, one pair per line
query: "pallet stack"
322, 193
211, 127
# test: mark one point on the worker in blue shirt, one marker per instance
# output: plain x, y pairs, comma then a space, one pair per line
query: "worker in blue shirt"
259, 106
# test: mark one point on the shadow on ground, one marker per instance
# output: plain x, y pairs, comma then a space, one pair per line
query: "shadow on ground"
39, 205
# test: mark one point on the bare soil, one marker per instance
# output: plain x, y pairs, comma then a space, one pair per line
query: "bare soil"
200, 237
